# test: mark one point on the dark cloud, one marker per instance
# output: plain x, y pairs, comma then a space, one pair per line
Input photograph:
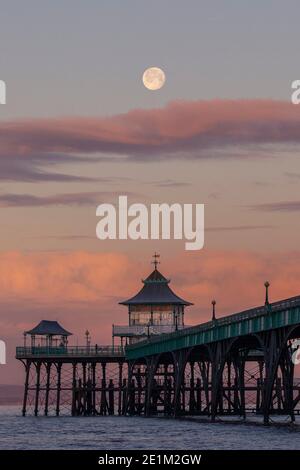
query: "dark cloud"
292, 176
67, 199
67, 237
33, 168
239, 228
283, 206
169, 183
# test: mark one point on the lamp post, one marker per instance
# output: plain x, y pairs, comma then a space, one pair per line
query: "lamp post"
88, 339
267, 285
213, 302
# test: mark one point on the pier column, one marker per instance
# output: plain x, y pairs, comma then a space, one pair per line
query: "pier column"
166, 391
103, 406
84, 390
48, 372
150, 372
74, 391
192, 389
198, 395
272, 345
58, 388
179, 383
124, 397
215, 385
229, 385
239, 367
94, 410
286, 388
219, 355
111, 401
27, 371
139, 390
120, 388
131, 397
37, 389
205, 371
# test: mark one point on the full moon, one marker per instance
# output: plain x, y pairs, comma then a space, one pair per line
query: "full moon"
154, 78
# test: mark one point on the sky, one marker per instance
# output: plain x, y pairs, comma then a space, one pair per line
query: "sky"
79, 128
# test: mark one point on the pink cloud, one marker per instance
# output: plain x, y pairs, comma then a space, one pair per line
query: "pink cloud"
180, 127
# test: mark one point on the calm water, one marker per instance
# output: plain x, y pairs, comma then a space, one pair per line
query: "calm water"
105, 433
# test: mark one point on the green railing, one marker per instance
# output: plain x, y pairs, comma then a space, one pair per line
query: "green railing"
70, 351
275, 315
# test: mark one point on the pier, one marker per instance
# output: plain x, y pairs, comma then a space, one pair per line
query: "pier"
230, 366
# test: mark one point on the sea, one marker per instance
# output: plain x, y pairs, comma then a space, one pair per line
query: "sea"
135, 433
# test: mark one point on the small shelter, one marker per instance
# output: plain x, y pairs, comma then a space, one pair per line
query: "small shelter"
48, 334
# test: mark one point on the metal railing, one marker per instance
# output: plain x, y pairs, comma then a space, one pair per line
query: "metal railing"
144, 330
70, 351
255, 312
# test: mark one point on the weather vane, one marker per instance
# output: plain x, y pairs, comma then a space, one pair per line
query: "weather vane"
155, 262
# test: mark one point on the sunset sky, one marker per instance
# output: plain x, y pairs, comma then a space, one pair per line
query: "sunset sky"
79, 128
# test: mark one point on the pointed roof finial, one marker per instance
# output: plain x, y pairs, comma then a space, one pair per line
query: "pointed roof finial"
155, 262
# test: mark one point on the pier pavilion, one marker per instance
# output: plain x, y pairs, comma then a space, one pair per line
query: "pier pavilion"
154, 310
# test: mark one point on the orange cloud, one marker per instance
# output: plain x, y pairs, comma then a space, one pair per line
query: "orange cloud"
62, 277
235, 279
82, 289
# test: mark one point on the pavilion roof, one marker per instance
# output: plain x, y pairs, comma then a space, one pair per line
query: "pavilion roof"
156, 291
49, 328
